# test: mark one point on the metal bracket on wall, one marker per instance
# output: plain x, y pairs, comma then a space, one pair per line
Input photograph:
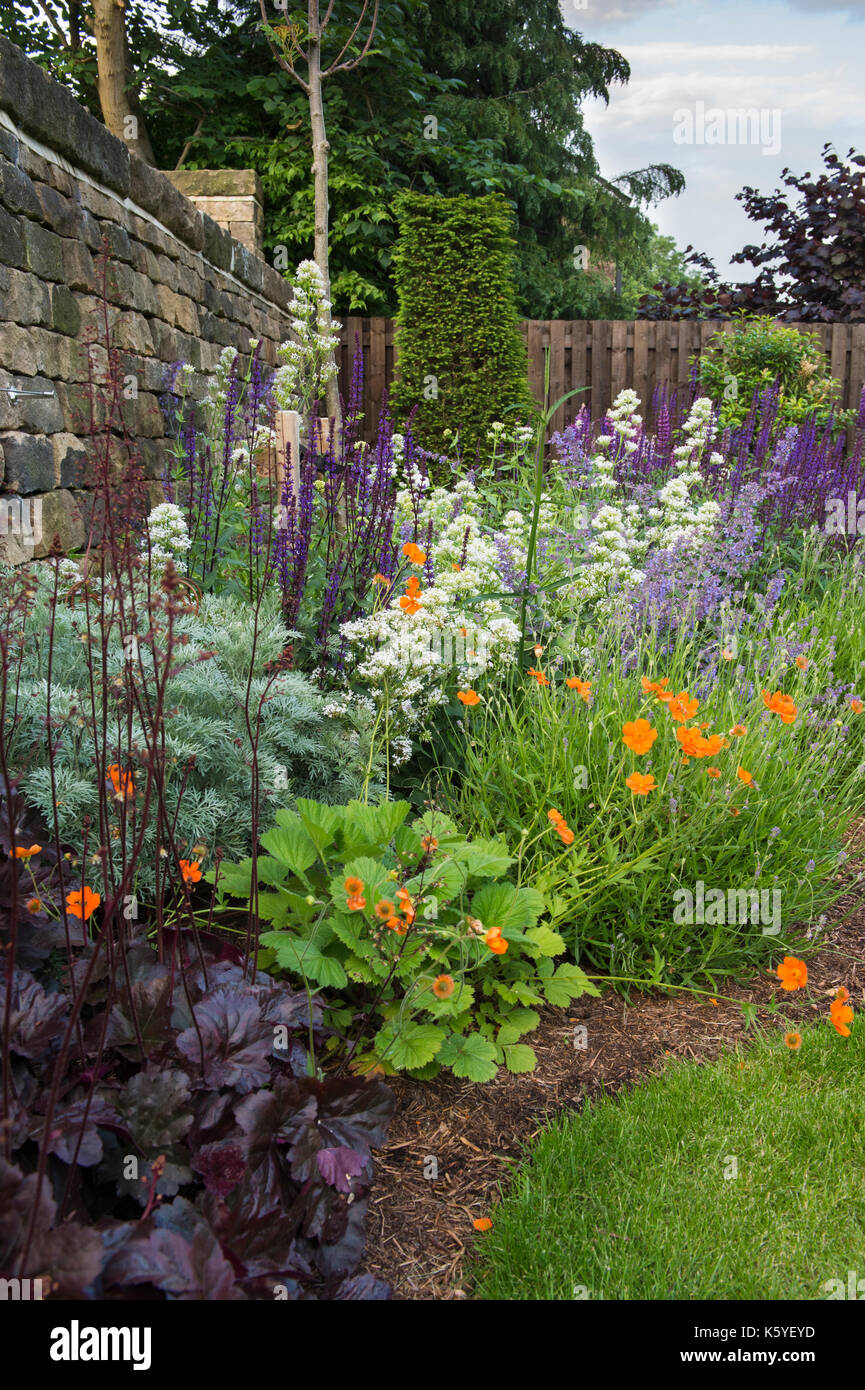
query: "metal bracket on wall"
13, 393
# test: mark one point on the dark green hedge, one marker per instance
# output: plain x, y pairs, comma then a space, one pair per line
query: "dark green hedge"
462, 359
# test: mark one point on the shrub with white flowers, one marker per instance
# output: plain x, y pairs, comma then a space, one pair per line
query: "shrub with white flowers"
419, 647
620, 533
168, 535
308, 359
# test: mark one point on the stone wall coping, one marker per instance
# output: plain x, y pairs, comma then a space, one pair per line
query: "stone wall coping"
43, 115
217, 183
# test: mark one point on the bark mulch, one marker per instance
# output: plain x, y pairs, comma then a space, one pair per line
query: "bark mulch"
419, 1228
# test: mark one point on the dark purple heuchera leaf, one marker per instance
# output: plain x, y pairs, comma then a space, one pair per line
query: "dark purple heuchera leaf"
78, 1120
362, 1286
339, 1166
155, 1107
37, 1018
351, 1115
222, 1165
17, 1196
70, 1256
176, 1251
151, 1002
272, 1120
258, 1234
231, 1042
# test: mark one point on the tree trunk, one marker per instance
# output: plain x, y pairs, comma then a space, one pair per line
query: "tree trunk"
320, 149
112, 63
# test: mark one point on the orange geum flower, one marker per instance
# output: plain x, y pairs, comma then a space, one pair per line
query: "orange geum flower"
482, 1223
468, 697
383, 580
840, 1014
495, 941
34, 905
191, 870
692, 742
739, 730
842, 994
22, 853
640, 784
793, 973
856, 706
565, 834
353, 886
82, 904
793, 1041
656, 686
384, 909
781, 705
121, 781
713, 772
583, 688
682, 707
744, 776
638, 735
355, 903
414, 554
412, 585
398, 926
444, 987
555, 816
802, 663
429, 843
539, 676
409, 605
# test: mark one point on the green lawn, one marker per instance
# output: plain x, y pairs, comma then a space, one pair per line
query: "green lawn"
628, 1199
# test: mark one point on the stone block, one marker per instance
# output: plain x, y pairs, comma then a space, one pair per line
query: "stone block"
25, 299
70, 460
17, 351
65, 311
11, 240
17, 191
79, 269
37, 414
29, 460
61, 518
43, 251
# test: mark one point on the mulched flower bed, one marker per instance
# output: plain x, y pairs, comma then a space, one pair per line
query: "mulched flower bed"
419, 1229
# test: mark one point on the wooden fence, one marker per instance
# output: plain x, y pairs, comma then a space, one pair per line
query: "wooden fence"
604, 356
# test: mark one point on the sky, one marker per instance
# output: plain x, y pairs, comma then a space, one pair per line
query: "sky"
799, 64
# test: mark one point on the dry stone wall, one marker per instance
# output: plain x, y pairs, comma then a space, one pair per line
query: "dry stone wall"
178, 286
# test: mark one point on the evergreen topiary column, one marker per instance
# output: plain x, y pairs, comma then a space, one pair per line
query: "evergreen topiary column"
461, 358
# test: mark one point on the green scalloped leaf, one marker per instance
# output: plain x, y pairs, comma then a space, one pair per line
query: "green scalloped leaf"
520, 1058
568, 983
408, 1046
469, 1055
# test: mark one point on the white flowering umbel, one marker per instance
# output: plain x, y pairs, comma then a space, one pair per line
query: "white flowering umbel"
308, 358
412, 659
682, 515
169, 537
621, 533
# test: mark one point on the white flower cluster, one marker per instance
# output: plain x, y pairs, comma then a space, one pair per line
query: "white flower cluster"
680, 515
621, 534
308, 358
168, 536
416, 655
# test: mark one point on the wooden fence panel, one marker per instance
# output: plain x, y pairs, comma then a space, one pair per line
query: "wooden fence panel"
604, 355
